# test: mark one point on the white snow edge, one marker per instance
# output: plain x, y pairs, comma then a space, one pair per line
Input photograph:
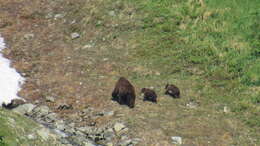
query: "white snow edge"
10, 79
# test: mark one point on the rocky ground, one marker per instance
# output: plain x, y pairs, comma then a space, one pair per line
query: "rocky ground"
70, 132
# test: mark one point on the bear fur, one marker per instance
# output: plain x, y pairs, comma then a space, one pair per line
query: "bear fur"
172, 90
124, 92
149, 95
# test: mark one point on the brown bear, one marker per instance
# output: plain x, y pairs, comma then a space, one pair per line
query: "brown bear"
13, 104
172, 90
149, 95
124, 92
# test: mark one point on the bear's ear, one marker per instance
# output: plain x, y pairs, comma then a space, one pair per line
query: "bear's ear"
142, 90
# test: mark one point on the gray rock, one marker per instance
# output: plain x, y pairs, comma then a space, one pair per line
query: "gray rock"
109, 144
127, 142
70, 130
43, 133
29, 36
158, 73
89, 143
60, 125
176, 140
136, 140
108, 135
81, 140
74, 35
31, 136
85, 129
192, 105
50, 99
87, 46
57, 16
226, 109
60, 133
110, 113
99, 22
118, 127
52, 116
111, 13
64, 141
49, 15
41, 110
64, 106
24, 109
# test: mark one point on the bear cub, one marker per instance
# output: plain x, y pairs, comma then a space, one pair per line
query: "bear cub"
149, 95
124, 92
172, 90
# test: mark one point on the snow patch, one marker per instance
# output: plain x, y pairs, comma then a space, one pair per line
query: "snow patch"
10, 79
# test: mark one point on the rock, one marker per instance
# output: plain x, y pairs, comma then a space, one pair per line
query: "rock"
110, 113
99, 22
49, 15
72, 124
136, 140
105, 59
41, 110
176, 140
60, 133
118, 127
109, 144
70, 130
85, 129
60, 125
108, 135
52, 116
81, 140
31, 136
226, 109
192, 104
64, 106
88, 143
50, 99
24, 109
74, 35
87, 46
43, 133
64, 141
111, 13
29, 36
157, 73
58, 16
13, 104
127, 142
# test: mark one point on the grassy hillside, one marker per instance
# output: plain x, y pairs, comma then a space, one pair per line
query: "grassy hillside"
18, 130
212, 43
217, 41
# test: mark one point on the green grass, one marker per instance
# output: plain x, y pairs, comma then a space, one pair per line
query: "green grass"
15, 129
210, 49
213, 42
221, 39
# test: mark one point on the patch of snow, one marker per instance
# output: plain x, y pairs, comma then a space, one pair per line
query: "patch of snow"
10, 79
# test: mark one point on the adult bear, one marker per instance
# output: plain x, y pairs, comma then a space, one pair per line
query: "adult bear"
124, 92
